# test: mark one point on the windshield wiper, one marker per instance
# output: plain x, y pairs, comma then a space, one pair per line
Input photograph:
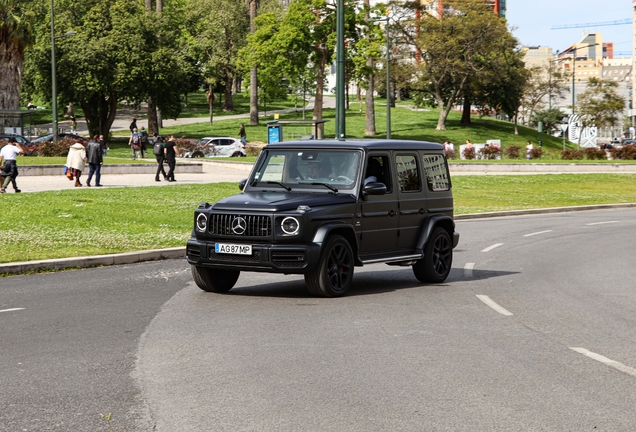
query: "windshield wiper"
327, 185
287, 188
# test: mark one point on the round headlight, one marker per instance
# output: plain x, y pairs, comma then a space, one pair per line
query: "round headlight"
290, 225
202, 222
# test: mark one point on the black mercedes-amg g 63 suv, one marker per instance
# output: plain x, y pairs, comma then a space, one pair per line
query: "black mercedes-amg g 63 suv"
320, 208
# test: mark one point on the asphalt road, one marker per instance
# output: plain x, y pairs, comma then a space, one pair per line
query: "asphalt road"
534, 330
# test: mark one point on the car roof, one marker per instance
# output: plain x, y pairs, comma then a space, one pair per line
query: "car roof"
365, 144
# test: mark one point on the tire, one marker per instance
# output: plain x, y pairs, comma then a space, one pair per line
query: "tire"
197, 154
236, 154
213, 280
438, 258
333, 275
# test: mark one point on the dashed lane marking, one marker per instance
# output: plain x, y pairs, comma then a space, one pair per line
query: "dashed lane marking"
489, 248
609, 362
493, 305
601, 223
537, 233
468, 270
11, 310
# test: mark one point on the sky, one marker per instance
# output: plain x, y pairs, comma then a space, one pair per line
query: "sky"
534, 18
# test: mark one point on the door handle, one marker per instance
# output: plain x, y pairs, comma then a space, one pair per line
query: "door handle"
422, 211
392, 213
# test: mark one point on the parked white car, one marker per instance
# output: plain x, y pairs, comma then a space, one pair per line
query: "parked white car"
217, 147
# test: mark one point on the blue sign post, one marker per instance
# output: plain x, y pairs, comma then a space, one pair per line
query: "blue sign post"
273, 134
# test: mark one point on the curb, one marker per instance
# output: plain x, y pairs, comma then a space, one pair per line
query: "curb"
180, 252
92, 261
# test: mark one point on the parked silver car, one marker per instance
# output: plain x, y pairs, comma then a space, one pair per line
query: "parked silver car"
217, 147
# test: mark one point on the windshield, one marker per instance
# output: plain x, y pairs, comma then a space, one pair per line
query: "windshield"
298, 169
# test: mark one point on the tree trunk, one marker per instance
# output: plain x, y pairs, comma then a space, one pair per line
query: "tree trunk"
210, 96
369, 127
160, 6
441, 120
153, 122
320, 82
228, 104
10, 79
149, 5
466, 111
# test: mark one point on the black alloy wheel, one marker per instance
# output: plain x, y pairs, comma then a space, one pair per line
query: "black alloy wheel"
333, 275
438, 258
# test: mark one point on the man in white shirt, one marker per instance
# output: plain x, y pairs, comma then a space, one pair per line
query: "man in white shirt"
8, 155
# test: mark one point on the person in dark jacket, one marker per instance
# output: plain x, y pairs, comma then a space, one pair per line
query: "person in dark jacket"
133, 125
171, 151
94, 157
158, 150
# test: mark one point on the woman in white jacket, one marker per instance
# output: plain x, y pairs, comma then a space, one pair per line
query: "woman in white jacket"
75, 161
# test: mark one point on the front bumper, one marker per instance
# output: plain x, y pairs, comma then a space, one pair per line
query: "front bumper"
271, 258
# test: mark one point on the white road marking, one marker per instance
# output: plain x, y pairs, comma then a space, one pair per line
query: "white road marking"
493, 305
540, 232
609, 362
468, 270
602, 223
11, 310
489, 248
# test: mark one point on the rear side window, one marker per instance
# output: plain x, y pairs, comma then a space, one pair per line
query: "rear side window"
436, 170
408, 175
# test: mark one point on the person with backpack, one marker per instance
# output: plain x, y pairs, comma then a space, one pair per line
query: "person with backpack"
135, 143
158, 150
144, 142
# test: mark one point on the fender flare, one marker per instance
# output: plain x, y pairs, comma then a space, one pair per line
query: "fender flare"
326, 229
428, 227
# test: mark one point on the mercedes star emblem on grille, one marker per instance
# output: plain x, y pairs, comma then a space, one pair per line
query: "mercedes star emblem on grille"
239, 225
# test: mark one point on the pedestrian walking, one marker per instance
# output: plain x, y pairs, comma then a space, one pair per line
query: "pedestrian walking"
8, 155
243, 134
133, 125
171, 151
95, 160
75, 161
103, 145
144, 142
158, 150
135, 143
73, 124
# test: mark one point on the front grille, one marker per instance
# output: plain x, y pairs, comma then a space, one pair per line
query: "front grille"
255, 257
289, 258
255, 226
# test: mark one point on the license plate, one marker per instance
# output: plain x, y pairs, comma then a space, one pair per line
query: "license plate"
234, 249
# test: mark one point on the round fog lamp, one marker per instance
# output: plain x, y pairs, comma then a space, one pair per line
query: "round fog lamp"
290, 225
202, 222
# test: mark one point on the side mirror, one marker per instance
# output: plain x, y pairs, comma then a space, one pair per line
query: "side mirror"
242, 184
374, 188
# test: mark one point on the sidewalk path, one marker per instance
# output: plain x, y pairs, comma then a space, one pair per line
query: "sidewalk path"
213, 172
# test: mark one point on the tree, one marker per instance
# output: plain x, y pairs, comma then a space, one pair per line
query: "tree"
16, 35
600, 104
253, 6
453, 47
549, 117
543, 82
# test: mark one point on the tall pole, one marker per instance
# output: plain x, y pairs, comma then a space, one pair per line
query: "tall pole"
340, 72
53, 76
573, 73
388, 80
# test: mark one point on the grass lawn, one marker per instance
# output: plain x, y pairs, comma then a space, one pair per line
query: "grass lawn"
68, 223
405, 124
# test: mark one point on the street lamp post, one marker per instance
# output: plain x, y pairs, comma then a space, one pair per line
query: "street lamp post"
53, 72
388, 75
574, 72
340, 72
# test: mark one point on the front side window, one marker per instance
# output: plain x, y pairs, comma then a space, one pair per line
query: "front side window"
436, 169
298, 169
408, 176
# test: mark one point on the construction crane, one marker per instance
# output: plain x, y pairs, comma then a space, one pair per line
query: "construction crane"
592, 24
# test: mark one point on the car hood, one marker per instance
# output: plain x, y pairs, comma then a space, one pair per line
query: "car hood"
279, 201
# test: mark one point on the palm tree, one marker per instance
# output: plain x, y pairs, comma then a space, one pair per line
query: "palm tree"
16, 35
